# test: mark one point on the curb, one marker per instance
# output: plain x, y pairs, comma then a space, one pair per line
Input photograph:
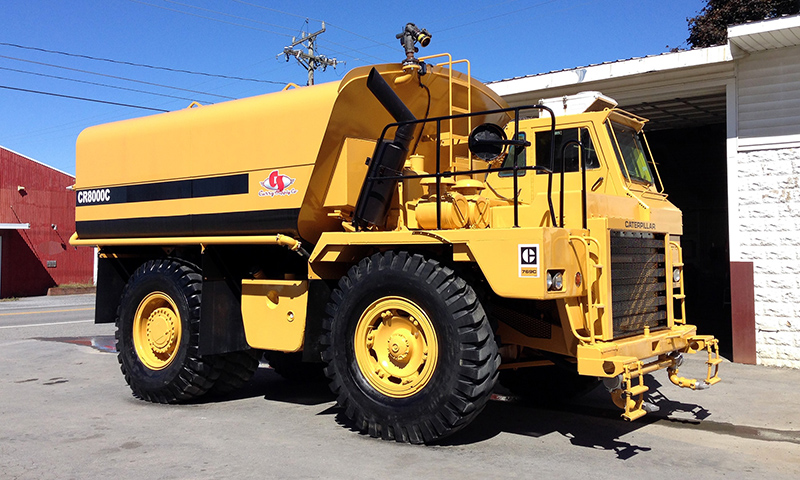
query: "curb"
55, 291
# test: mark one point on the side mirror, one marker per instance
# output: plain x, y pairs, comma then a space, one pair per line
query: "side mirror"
487, 142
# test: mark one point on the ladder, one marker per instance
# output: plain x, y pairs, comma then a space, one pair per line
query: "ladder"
458, 88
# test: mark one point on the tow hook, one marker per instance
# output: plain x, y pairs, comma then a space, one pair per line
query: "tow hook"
684, 382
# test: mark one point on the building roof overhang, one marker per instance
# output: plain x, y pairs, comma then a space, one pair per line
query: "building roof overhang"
663, 64
765, 35
677, 89
671, 89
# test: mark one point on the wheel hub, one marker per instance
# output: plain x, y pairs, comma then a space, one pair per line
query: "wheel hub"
156, 330
399, 347
161, 330
396, 347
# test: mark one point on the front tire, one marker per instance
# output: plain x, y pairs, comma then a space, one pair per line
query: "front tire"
410, 352
157, 333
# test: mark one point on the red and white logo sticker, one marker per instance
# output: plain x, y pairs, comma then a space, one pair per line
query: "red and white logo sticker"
277, 184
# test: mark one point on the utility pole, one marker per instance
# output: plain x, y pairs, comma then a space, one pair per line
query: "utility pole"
308, 59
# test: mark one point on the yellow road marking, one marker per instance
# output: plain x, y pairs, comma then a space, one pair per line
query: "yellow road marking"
47, 311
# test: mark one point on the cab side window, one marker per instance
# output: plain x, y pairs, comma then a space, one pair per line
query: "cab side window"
570, 156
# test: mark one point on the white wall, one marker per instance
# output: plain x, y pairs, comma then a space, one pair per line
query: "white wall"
768, 85
769, 232
766, 218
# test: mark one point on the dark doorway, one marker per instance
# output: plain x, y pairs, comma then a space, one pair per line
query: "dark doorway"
693, 166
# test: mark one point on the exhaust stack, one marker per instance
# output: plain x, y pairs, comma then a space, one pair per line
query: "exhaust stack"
388, 159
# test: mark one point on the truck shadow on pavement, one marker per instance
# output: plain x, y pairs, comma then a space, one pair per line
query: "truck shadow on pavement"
268, 384
591, 421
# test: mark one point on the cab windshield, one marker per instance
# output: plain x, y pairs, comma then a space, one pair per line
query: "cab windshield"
633, 158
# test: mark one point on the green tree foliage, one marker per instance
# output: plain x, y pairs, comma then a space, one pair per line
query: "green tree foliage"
710, 26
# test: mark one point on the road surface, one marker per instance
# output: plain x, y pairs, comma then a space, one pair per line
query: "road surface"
66, 413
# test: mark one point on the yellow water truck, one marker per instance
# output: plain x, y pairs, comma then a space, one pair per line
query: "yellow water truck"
405, 228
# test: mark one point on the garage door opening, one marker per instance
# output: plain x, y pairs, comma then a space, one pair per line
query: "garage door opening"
692, 163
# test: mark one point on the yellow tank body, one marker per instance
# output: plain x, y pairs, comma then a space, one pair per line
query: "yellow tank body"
283, 162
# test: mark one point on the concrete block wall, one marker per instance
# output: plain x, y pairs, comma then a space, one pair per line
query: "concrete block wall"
769, 236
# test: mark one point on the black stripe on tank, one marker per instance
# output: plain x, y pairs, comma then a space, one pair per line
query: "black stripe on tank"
262, 222
173, 190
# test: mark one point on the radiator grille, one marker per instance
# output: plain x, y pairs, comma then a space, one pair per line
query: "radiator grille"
638, 282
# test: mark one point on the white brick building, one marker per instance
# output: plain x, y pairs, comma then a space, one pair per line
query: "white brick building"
725, 129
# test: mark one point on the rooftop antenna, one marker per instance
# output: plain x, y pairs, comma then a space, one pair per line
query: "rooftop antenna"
309, 59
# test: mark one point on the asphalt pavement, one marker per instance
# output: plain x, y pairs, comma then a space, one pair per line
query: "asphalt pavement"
66, 413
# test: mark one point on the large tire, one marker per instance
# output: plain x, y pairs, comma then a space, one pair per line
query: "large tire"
158, 322
409, 350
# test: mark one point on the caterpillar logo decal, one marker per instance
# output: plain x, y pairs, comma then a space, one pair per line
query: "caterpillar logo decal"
529, 261
277, 184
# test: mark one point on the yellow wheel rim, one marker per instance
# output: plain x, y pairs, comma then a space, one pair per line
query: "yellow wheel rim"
396, 347
156, 330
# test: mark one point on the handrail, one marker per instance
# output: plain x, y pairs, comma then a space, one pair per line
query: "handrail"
588, 320
582, 166
438, 174
681, 294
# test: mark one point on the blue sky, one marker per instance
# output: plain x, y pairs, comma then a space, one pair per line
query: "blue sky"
241, 38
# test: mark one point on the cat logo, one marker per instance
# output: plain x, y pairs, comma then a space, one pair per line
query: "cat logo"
529, 261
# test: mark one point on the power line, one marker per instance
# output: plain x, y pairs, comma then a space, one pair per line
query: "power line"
276, 11
484, 19
377, 43
94, 83
310, 60
229, 15
314, 19
354, 50
82, 98
493, 6
209, 18
116, 77
121, 62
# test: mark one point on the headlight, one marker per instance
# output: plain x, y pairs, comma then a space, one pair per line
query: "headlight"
555, 280
558, 281
676, 275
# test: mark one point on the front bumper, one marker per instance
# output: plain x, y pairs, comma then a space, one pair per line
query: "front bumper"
628, 360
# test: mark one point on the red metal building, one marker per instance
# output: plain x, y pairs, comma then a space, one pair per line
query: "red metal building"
37, 217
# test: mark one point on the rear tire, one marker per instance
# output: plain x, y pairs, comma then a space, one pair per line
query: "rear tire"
158, 322
410, 352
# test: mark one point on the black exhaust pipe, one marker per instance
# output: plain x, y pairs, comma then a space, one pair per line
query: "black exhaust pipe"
388, 159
